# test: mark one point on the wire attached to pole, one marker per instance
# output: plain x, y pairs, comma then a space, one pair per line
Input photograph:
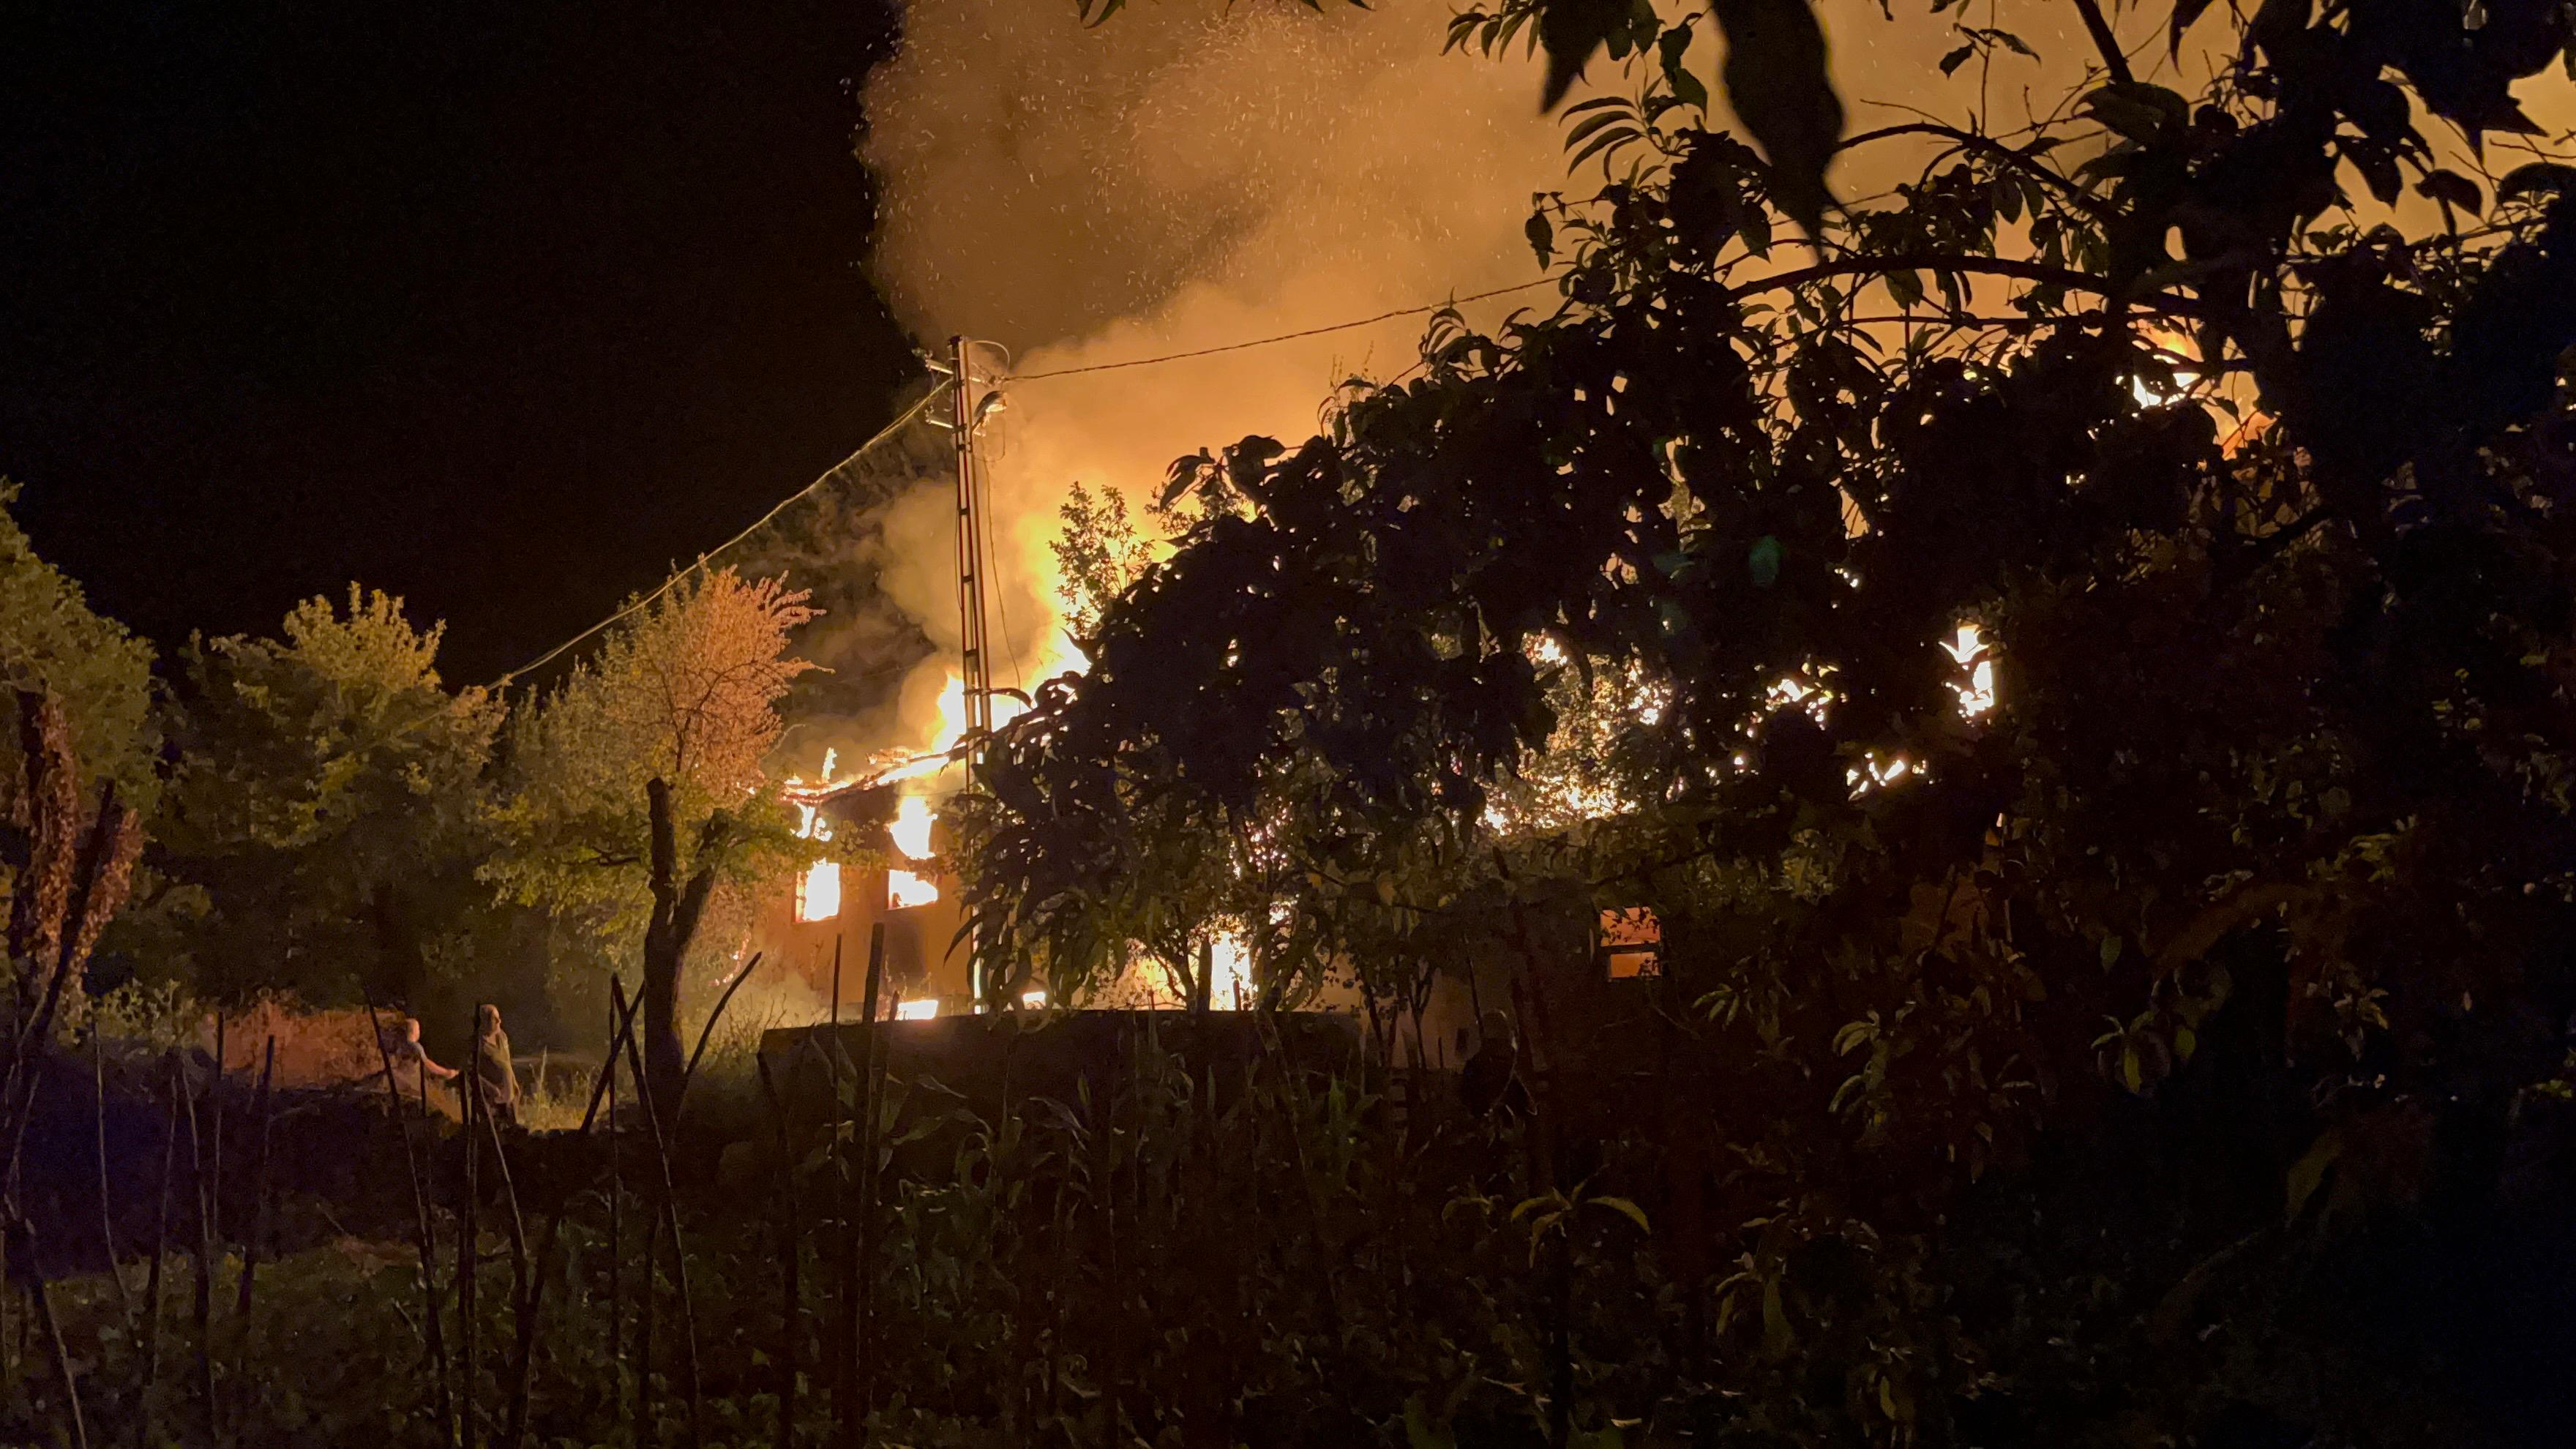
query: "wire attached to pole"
889, 430
1426, 308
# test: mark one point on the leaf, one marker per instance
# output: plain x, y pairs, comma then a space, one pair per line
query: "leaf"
1626, 1209
2454, 190
2136, 110
1777, 1336
2184, 13
1570, 30
1542, 238
1420, 1432
1777, 79
2013, 43
1950, 63
1673, 49
1610, 140
2309, 1171
2538, 176
1762, 561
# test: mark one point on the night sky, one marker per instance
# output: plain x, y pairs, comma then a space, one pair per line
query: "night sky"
500, 307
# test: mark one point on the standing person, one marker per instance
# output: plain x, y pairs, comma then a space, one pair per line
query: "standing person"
408, 1056
499, 1081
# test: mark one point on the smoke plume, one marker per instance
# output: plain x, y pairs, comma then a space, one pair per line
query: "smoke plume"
1188, 175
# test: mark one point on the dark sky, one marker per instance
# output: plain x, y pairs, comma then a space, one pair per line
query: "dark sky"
498, 306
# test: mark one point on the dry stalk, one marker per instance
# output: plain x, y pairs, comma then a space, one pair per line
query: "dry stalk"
427, 1237
671, 1222
106, 1205
469, 1254
519, 1311
151, 1326
523, 1358
21, 1253
864, 1220
790, 1247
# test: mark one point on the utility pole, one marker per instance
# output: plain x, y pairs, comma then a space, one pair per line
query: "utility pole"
974, 662
974, 665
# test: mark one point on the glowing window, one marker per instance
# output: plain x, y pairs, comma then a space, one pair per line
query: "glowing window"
905, 890
818, 891
1632, 944
921, 1010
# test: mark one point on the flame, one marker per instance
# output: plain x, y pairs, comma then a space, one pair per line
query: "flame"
1033, 999
1977, 696
1229, 971
818, 891
911, 827
922, 1008
904, 890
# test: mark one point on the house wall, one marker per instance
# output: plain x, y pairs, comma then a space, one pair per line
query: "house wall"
919, 960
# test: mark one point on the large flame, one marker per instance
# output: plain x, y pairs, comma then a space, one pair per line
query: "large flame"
818, 890
911, 827
911, 832
904, 890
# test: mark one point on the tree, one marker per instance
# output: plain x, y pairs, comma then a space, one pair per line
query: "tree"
639, 785
2268, 766
51, 640
325, 800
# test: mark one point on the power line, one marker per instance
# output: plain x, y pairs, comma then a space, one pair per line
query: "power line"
918, 408
888, 431
1282, 337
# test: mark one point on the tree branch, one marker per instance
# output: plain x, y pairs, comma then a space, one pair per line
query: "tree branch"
1988, 145
1959, 262
2105, 42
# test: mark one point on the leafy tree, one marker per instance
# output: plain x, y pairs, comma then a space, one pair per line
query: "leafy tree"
2233, 890
50, 640
639, 785
325, 800
1098, 553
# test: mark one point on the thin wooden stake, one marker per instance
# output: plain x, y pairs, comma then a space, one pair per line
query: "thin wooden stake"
106, 1205
519, 1308
258, 1217
646, 1429
258, 1191
671, 1222
426, 1230
203, 1303
790, 1248
863, 1222
469, 1254
523, 1360
840, 1345
160, 1243
21, 1254
616, 1208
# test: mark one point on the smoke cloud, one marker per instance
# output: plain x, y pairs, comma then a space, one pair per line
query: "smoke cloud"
1197, 173
1189, 175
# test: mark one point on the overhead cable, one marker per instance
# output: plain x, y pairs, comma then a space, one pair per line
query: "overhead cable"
1282, 337
918, 408
888, 431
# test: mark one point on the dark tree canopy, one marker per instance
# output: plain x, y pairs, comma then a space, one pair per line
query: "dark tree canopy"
2235, 430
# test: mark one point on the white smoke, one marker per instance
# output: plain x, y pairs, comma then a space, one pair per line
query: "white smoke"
1188, 175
